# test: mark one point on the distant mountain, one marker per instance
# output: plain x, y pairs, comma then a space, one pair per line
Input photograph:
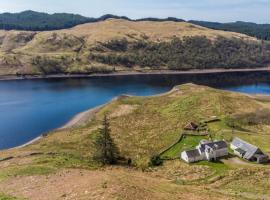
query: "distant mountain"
260, 31
38, 21
171, 19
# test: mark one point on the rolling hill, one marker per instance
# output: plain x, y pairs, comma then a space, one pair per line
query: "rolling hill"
123, 45
61, 164
38, 21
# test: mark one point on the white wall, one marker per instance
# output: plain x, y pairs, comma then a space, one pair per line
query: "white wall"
233, 147
185, 157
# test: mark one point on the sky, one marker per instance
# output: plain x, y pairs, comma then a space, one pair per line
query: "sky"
210, 10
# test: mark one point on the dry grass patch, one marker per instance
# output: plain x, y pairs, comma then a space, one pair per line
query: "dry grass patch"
123, 110
111, 183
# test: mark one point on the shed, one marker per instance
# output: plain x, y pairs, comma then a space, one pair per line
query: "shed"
191, 126
248, 151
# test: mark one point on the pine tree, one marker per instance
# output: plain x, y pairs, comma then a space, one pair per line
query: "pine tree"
106, 150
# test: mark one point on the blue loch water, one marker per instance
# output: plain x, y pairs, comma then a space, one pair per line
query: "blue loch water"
29, 108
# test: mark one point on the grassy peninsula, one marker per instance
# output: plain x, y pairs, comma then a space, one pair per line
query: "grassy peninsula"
61, 164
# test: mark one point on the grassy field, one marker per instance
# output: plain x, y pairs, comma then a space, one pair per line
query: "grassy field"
187, 143
143, 127
7, 197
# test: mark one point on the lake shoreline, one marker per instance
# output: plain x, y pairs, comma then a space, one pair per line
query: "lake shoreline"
83, 117
130, 73
76, 121
87, 115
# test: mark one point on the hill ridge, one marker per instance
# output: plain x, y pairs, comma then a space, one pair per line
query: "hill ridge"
41, 21
117, 45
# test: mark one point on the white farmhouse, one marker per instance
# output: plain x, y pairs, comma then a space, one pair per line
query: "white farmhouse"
206, 150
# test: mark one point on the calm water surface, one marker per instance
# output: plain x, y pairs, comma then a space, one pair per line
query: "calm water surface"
29, 108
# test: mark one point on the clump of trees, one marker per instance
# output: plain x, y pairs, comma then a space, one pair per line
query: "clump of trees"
117, 45
260, 116
46, 65
184, 54
106, 150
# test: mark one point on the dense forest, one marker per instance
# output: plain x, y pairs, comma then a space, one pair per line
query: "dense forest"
189, 53
261, 31
36, 21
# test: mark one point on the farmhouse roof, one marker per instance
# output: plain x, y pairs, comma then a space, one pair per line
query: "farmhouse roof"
217, 145
214, 145
193, 153
250, 149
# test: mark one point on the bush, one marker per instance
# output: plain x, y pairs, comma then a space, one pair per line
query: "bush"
49, 65
156, 161
117, 45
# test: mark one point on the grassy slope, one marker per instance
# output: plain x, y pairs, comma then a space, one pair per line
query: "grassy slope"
71, 47
144, 126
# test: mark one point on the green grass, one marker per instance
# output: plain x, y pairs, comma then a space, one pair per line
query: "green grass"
48, 164
155, 124
218, 166
187, 143
8, 197
27, 170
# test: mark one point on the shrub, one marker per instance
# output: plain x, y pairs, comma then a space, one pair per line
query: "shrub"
156, 160
117, 45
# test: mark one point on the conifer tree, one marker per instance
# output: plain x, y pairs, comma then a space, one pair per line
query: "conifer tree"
106, 150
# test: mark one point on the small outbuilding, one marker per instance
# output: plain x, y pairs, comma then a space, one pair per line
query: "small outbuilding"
191, 126
248, 151
206, 150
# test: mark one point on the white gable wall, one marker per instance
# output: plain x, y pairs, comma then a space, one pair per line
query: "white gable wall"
191, 159
185, 157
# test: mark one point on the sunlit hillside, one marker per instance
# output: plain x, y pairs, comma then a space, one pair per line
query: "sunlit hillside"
142, 127
121, 45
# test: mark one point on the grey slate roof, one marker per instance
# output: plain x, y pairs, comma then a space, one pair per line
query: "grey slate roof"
193, 153
216, 145
250, 149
